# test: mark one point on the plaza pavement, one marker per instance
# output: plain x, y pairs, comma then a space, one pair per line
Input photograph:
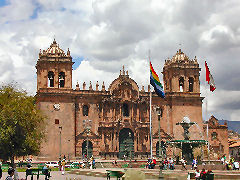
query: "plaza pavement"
87, 174
56, 175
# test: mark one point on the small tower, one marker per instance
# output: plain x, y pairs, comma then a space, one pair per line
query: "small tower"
54, 68
181, 75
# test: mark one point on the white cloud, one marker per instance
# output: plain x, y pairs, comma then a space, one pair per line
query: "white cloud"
16, 10
112, 33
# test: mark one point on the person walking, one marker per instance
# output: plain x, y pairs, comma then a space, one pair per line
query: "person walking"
194, 163
63, 166
203, 174
197, 174
183, 162
60, 164
171, 164
10, 174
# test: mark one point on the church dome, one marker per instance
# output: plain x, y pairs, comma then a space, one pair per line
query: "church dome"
180, 58
54, 51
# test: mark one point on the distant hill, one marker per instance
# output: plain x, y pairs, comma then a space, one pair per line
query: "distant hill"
232, 125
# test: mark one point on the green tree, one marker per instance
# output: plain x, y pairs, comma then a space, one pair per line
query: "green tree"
21, 124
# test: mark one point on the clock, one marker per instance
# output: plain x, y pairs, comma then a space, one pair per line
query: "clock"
56, 107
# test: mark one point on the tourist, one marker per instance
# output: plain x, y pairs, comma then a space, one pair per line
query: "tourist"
165, 163
203, 174
197, 174
45, 171
171, 164
183, 162
149, 163
236, 165
10, 173
222, 160
124, 157
63, 166
60, 164
93, 164
194, 163
154, 162
228, 165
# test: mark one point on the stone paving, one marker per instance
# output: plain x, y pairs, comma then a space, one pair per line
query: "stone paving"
87, 174
56, 175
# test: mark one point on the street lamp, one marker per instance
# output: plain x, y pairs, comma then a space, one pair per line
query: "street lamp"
130, 147
68, 151
60, 143
87, 127
159, 111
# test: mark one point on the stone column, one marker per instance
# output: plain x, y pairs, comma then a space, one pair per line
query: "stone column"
102, 111
186, 84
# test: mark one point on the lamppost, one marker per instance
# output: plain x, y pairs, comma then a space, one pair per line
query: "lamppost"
60, 142
159, 111
68, 151
87, 127
130, 148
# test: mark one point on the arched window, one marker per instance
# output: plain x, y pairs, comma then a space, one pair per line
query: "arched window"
190, 81
181, 84
50, 79
61, 79
125, 110
85, 110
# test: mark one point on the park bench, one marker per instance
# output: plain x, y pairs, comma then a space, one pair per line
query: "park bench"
38, 172
117, 174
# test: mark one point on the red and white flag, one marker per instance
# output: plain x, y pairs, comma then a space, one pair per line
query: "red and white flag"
209, 78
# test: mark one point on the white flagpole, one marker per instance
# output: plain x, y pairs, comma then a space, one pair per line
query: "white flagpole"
206, 108
150, 116
150, 113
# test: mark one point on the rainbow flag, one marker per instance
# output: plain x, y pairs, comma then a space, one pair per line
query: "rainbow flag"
154, 81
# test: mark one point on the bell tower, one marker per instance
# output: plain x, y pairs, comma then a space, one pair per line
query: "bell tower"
54, 69
181, 75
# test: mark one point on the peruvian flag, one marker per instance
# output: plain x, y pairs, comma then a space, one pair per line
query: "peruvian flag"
209, 78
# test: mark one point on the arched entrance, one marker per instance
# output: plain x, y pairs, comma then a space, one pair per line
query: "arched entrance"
163, 146
126, 143
84, 148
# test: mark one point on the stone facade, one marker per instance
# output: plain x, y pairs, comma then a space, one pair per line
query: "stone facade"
218, 138
114, 121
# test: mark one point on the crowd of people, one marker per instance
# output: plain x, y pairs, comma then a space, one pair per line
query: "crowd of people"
203, 174
231, 164
166, 163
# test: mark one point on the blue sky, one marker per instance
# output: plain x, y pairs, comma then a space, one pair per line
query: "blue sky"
3, 2
77, 62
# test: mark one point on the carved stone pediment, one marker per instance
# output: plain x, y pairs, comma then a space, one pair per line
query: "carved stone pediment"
124, 87
85, 134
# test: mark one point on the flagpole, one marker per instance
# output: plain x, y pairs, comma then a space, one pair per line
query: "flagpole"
207, 110
150, 112
150, 116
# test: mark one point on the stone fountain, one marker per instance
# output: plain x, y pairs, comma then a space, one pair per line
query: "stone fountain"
187, 145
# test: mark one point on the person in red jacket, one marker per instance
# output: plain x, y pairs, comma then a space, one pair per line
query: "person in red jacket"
203, 174
154, 162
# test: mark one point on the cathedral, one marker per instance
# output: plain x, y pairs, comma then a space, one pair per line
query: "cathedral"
114, 121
